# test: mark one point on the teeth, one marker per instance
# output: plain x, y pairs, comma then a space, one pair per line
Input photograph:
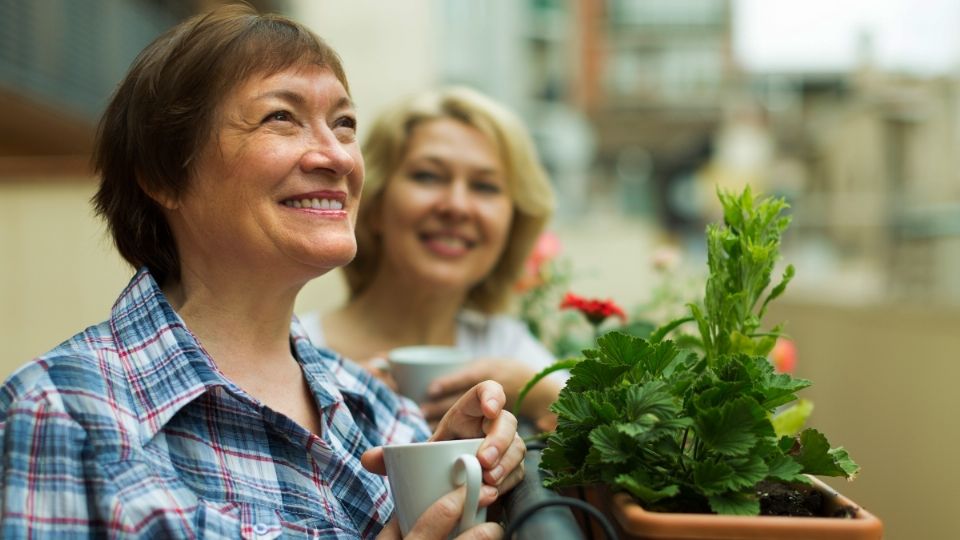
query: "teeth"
452, 242
316, 204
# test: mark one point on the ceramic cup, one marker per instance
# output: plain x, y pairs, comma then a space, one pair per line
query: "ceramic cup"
414, 368
421, 473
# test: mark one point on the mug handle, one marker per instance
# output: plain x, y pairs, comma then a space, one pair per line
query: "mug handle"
466, 470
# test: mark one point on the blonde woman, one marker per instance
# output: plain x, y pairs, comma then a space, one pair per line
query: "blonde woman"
454, 200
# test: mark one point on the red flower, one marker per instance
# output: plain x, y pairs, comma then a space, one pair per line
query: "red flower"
596, 311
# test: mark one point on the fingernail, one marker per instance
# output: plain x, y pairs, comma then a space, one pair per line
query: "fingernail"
496, 473
491, 453
490, 491
492, 403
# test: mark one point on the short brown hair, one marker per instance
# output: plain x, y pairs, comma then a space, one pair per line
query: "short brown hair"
527, 183
164, 110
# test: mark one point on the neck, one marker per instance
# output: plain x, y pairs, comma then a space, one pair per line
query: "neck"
242, 325
389, 314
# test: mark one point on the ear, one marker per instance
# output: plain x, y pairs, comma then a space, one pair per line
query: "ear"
161, 197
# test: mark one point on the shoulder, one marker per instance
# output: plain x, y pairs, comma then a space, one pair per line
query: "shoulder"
501, 336
497, 332
75, 384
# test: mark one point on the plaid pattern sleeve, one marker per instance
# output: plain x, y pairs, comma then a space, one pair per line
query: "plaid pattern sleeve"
128, 430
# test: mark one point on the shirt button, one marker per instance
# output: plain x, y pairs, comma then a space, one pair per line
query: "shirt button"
260, 529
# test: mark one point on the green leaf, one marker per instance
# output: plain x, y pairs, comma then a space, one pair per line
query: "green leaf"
816, 457
611, 444
791, 420
713, 477
734, 428
785, 468
748, 471
618, 348
845, 462
735, 503
658, 357
639, 486
651, 398
778, 290
591, 374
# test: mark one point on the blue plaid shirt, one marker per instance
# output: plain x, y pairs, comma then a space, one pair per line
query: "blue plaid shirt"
129, 430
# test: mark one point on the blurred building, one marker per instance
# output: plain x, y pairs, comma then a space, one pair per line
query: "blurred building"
871, 162
59, 63
623, 96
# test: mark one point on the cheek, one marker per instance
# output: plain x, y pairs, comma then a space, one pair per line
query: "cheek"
499, 218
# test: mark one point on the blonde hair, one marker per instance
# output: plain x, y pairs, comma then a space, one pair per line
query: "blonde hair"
527, 184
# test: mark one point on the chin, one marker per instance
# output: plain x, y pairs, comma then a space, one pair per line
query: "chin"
328, 258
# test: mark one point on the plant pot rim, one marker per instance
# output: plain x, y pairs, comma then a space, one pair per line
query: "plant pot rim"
633, 519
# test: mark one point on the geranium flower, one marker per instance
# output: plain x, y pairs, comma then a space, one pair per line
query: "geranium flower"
547, 248
596, 311
784, 355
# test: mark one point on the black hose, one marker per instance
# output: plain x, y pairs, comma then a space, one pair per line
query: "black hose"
528, 512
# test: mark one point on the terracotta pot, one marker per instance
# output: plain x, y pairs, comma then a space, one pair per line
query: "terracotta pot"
632, 521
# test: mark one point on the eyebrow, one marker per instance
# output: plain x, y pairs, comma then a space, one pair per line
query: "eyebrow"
299, 100
441, 163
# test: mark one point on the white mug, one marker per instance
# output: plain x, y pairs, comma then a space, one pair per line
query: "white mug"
421, 473
414, 368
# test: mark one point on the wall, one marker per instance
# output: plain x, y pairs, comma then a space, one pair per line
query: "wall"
885, 389
59, 271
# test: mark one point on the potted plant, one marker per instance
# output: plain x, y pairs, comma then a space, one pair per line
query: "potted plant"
696, 437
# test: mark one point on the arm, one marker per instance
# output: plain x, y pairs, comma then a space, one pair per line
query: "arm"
512, 374
45, 489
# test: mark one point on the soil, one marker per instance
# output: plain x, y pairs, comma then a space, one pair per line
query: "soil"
798, 500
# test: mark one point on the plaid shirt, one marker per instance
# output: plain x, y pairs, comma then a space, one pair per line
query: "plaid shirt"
129, 430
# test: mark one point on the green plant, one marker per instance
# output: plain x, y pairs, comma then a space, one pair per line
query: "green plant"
694, 426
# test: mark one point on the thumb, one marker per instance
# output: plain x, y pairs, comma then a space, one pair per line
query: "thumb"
372, 460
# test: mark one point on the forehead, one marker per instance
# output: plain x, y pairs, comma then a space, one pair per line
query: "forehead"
453, 140
309, 83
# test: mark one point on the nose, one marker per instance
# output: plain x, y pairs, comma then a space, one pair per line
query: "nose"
455, 201
328, 155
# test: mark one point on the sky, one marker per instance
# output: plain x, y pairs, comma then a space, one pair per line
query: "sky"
916, 36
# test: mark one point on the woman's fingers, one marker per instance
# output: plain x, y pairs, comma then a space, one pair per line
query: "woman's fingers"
372, 460
509, 471
442, 517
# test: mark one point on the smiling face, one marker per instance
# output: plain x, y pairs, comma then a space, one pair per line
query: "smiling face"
276, 190
446, 212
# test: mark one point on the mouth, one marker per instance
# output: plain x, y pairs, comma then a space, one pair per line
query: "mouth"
448, 243
325, 201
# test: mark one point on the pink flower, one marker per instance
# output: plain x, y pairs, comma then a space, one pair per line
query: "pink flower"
547, 248
665, 259
784, 355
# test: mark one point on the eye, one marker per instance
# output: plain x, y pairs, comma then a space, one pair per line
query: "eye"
425, 177
278, 116
346, 122
486, 187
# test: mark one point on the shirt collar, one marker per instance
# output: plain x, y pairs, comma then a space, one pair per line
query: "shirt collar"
166, 365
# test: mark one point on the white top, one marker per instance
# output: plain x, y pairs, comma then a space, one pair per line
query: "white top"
497, 336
